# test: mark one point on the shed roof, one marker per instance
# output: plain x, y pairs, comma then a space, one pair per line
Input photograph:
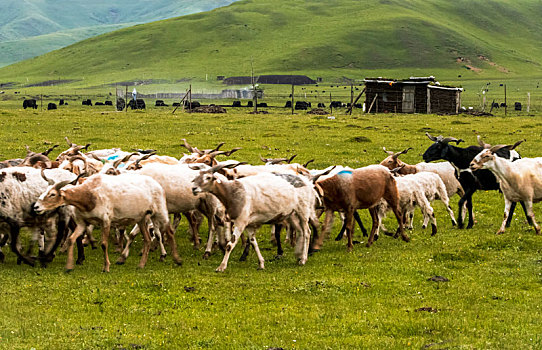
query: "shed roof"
429, 81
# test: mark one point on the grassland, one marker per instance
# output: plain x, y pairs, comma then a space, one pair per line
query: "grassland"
492, 39
370, 298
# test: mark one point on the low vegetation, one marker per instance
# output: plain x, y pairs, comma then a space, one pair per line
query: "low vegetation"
458, 289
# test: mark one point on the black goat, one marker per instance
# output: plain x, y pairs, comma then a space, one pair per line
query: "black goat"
470, 180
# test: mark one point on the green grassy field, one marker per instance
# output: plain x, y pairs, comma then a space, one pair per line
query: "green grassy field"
378, 297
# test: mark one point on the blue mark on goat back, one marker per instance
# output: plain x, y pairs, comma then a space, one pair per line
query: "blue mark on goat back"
345, 172
113, 157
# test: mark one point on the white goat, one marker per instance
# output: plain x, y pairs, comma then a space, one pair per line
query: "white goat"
418, 190
176, 180
111, 200
20, 187
520, 180
261, 199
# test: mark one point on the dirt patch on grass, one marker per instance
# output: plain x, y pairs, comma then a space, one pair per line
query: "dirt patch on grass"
360, 139
53, 82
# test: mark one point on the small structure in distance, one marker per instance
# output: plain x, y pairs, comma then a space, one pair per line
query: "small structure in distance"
414, 95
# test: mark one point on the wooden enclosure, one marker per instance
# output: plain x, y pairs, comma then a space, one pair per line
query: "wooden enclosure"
415, 95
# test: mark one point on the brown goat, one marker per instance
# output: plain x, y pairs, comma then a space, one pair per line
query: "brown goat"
360, 188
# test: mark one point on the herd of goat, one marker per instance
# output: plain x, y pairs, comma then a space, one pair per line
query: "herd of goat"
62, 200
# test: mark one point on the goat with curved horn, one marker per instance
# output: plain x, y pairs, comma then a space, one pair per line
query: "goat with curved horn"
68, 141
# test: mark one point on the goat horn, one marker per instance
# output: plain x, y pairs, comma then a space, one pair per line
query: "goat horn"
405, 151
511, 147
432, 138
395, 171
77, 157
451, 139
316, 177
49, 181
124, 160
277, 160
222, 166
482, 143
307, 163
92, 155
28, 151
389, 152
215, 153
233, 150
83, 174
68, 141
291, 158
218, 147
496, 148
265, 160
143, 151
46, 153
146, 156
188, 147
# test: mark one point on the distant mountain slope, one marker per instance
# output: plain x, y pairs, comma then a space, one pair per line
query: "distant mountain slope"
51, 24
339, 38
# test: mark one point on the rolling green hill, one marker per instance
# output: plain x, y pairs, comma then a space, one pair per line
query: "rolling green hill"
353, 38
30, 28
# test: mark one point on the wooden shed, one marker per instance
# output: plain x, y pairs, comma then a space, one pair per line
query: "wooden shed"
414, 95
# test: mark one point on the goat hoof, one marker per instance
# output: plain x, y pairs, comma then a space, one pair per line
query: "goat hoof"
243, 258
68, 270
423, 227
162, 258
206, 255
499, 232
260, 268
376, 237
2, 257
368, 245
120, 261
277, 257
79, 262
178, 262
19, 261
406, 238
